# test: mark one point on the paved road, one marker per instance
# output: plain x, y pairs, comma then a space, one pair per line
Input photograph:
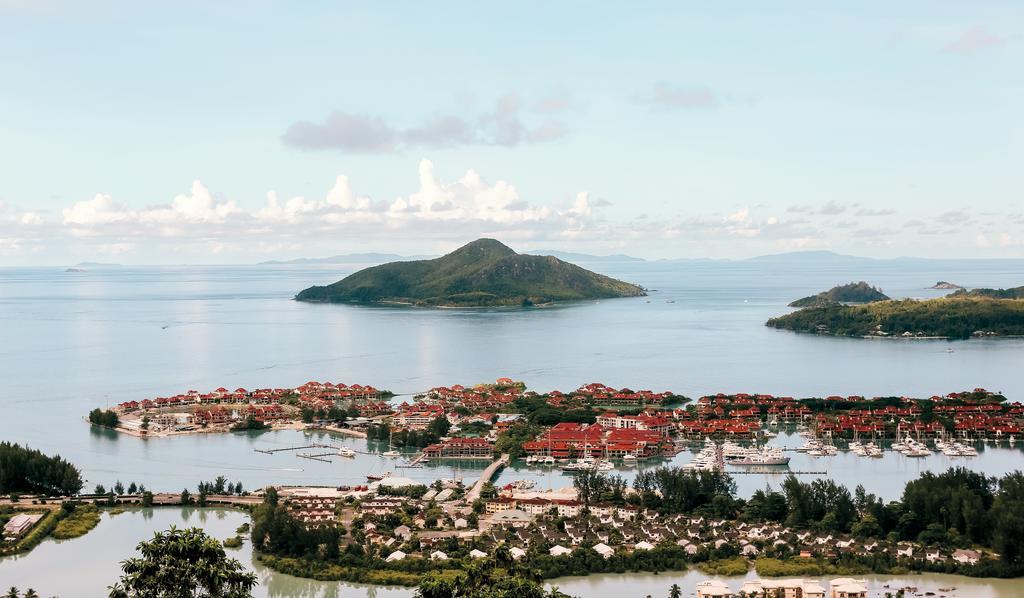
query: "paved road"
486, 476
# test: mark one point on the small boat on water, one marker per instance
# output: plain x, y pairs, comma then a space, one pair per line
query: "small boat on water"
346, 452
378, 477
392, 454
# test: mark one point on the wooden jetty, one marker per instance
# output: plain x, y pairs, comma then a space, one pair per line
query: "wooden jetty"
779, 471
317, 457
293, 448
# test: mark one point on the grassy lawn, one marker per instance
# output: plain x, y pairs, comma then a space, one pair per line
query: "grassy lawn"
78, 523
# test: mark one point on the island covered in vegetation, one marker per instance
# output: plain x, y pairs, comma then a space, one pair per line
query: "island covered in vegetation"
854, 292
484, 272
960, 315
1014, 293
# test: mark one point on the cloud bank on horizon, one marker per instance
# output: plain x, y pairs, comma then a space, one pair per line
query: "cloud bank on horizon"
441, 214
680, 131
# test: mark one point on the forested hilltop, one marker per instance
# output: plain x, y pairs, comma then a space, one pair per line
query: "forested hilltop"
1014, 293
958, 316
854, 292
482, 273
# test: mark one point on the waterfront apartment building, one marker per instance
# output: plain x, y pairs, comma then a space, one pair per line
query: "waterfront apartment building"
571, 440
636, 422
460, 448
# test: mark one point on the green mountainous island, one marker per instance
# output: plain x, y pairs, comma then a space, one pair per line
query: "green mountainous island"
959, 315
854, 292
482, 273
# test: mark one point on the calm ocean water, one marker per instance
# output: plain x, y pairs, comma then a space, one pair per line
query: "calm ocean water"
73, 341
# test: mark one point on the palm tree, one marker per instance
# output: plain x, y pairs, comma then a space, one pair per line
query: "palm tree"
183, 564
675, 591
30, 593
12, 593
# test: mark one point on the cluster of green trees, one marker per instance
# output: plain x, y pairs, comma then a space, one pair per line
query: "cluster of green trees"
415, 491
16, 593
119, 488
180, 563
27, 470
677, 490
334, 413
957, 508
204, 489
538, 411
411, 438
220, 485
596, 487
511, 440
276, 532
250, 423
106, 418
956, 317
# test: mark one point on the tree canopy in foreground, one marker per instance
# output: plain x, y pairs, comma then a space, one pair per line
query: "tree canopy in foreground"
183, 563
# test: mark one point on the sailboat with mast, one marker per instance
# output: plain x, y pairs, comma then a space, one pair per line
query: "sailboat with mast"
391, 453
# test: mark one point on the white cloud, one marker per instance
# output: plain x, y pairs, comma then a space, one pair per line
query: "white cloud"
469, 203
439, 212
101, 209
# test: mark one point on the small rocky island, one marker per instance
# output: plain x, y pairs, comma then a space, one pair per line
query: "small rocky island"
960, 315
945, 286
482, 273
854, 292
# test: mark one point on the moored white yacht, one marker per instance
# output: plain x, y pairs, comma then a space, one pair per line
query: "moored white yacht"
766, 456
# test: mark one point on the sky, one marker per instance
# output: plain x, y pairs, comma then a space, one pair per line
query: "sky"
235, 132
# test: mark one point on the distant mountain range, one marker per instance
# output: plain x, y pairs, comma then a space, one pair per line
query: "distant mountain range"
585, 257
815, 257
482, 273
95, 265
